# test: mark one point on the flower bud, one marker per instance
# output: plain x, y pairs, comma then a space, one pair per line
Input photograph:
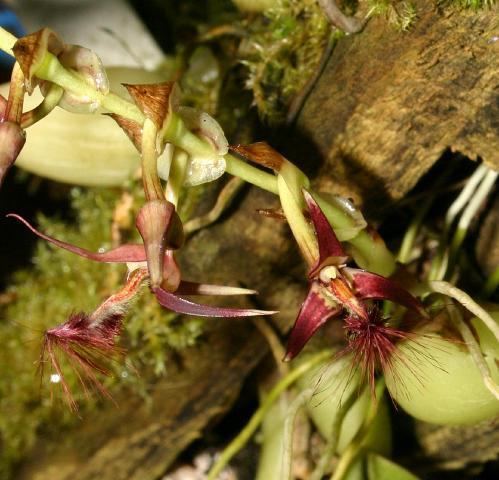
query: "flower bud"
160, 228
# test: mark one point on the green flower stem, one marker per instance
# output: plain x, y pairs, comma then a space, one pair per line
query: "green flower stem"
176, 178
50, 101
7, 41
150, 179
372, 255
251, 174
51, 69
258, 416
357, 444
302, 231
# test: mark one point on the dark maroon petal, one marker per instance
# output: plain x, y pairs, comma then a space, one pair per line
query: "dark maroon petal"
329, 245
181, 305
316, 310
369, 285
121, 254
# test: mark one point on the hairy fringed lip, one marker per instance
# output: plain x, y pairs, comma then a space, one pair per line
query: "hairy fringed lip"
337, 290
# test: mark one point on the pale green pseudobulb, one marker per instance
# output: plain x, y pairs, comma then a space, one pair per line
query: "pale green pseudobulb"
440, 382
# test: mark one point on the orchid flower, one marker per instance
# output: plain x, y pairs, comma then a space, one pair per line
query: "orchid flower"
336, 289
89, 340
169, 292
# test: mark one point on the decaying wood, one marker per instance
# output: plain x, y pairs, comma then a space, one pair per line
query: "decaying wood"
388, 104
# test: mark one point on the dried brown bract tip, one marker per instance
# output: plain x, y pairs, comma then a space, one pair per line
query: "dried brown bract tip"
154, 100
132, 129
31, 50
262, 154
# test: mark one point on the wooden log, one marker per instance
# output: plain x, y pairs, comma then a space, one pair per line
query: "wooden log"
389, 104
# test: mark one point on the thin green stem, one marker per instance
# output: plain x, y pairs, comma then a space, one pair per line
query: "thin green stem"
291, 414
258, 416
251, 174
467, 302
412, 231
492, 283
469, 213
357, 444
474, 349
332, 444
49, 102
302, 231
177, 175
152, 185
51, 69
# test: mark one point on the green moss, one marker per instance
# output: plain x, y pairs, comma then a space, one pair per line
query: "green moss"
400, 14
282, 51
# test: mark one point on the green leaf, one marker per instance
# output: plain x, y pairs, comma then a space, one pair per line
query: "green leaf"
380, 468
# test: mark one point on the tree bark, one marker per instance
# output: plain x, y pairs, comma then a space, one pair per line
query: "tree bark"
389, 104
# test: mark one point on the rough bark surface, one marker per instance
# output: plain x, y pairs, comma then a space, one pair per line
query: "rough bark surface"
388, 104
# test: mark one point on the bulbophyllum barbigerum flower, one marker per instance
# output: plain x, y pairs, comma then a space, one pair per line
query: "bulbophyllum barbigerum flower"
337, 290
89, 340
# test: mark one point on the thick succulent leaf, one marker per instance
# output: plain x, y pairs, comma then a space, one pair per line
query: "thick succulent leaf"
330, 249
121, 254
370, 285
316, 310
181, 305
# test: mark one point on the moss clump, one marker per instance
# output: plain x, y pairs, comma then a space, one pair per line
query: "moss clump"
282, 51
400, 14
58, 284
